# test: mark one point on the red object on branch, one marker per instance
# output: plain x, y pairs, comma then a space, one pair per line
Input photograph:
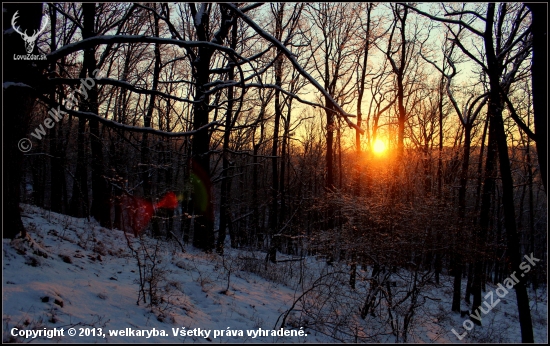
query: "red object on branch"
144, 212
138, 212
169, 201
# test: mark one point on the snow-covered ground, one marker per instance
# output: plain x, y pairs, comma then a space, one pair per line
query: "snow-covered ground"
72, 273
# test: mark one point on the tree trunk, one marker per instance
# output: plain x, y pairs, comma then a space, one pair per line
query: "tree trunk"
440, 151
484, 218
461, 219
257, 235
361, 90
514, 251
496, 121
57, 159
80, 199
101, 207
273, 216
147, 176
225, 184
203, 228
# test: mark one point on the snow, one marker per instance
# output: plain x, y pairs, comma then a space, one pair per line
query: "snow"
7, 85
200, 13
72, 273
9, 31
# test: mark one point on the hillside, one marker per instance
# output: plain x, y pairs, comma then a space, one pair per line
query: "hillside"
72, 273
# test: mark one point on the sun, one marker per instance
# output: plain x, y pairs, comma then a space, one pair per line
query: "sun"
379, 147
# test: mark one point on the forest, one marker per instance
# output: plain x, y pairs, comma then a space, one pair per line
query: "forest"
403, 146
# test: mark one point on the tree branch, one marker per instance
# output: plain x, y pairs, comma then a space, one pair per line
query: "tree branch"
444, 20
110, 39
292, 59
104, 121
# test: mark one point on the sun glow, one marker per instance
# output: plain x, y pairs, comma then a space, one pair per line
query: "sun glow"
379, 147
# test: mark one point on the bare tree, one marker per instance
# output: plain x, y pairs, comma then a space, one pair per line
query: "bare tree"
506, 40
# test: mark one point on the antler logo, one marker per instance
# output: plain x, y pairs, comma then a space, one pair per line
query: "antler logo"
29, 40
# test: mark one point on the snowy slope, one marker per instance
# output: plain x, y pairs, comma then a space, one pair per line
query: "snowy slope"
72, 273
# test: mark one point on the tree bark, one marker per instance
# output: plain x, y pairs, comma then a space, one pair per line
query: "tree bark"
496, 121
225, 192
101, 207
273, 216
203, 237
461, 219
146, 175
